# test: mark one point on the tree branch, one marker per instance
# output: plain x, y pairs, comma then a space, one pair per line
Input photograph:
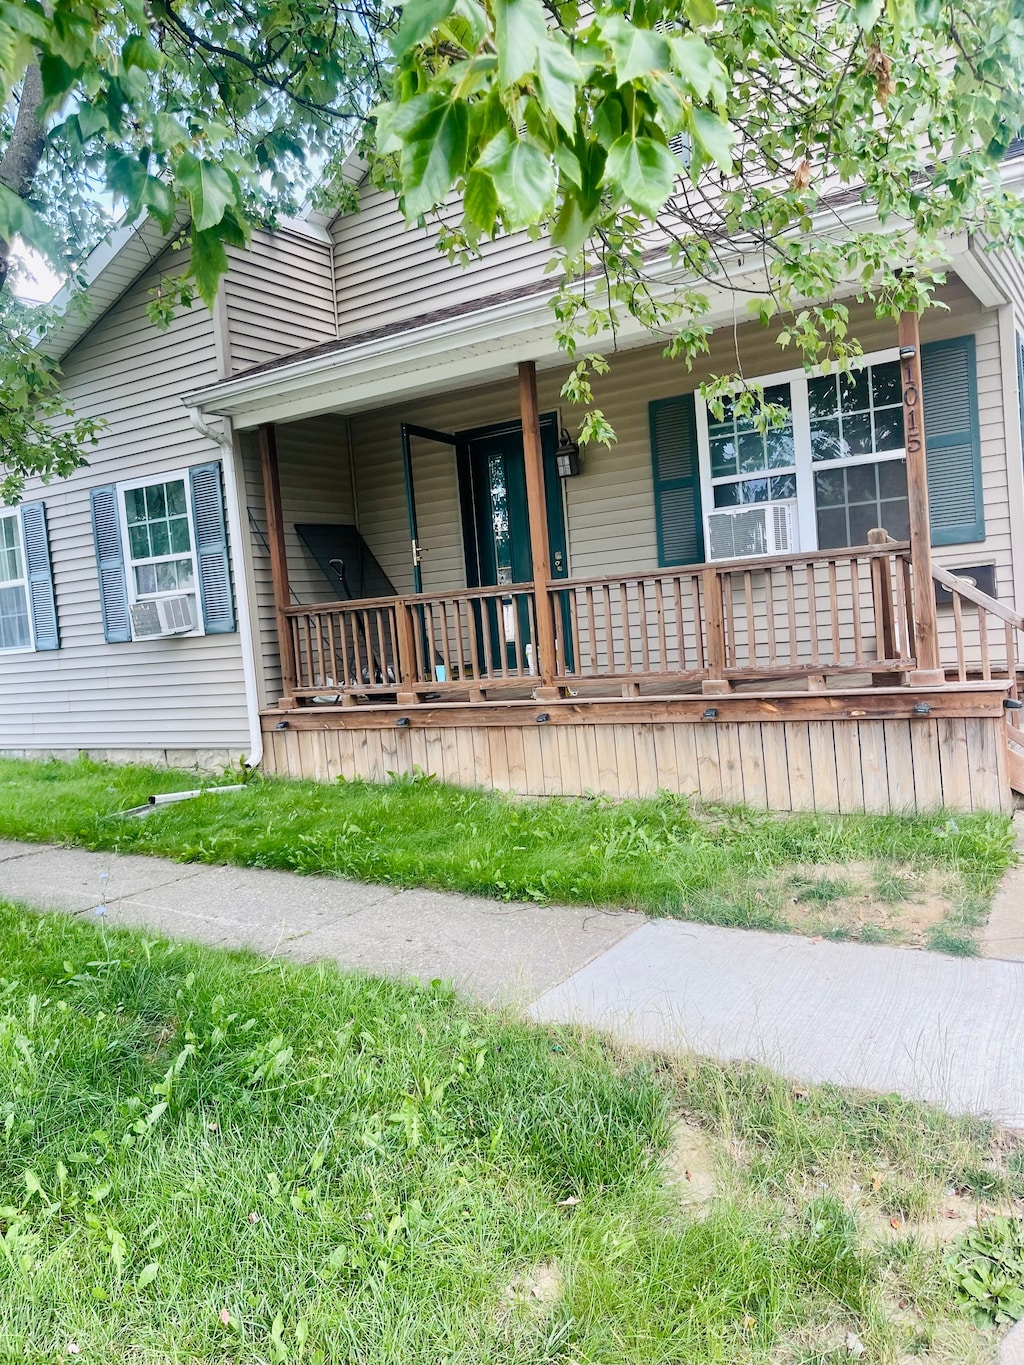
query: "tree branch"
20, 161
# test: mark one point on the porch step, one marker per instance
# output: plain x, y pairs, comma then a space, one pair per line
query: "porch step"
1015, 758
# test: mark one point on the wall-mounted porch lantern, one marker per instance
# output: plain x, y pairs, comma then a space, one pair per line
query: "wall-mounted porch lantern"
567, 456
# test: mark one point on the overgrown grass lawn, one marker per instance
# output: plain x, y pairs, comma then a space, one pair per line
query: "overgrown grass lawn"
926, 879
212, 1157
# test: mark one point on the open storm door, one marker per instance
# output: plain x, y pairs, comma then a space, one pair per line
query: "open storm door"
409, 433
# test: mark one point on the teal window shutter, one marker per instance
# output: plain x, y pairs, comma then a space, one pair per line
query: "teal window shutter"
41, 599
106, 531
953, 441
1020, 384
212, 549
677, 509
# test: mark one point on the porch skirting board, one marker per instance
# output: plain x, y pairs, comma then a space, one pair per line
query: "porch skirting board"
846, 765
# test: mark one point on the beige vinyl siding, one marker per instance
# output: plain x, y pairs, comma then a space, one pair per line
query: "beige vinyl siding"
316, 486
610, 507
278, 297
151, 694
388, 272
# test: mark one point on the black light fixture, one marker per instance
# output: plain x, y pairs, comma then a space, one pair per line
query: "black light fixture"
283, 725
402, 722
542, 718
567, 456
710, 713
922, 709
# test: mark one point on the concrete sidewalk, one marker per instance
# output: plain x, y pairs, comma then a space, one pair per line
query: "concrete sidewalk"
930, 1027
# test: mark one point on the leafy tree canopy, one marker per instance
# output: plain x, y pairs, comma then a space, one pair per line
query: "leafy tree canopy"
668, 148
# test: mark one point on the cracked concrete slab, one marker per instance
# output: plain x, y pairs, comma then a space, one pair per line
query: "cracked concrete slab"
500, 953
10, 849
71, 878
934, 1028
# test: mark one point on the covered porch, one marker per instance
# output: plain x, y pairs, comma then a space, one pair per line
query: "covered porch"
826, 680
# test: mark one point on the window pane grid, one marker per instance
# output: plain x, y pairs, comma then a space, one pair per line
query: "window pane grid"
856, 415
159, 538
739, 451
11, 568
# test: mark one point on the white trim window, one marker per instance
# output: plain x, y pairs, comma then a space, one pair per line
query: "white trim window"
838, 463
15, 613
159, 540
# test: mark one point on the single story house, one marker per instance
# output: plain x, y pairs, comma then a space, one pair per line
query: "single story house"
340, 526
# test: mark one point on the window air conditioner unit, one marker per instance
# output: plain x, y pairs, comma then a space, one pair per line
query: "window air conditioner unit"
739, 532
163, 616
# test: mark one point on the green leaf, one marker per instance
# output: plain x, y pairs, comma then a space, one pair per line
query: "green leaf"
637, 51
570, 229
158, 198
523, 177
701, 12
419, 19
643, 172
434, 155
559, 75
148, 1274
715, 136
868, 12
211, 190
519, 31
480, 200
699, 67
17, 219
139, 51
209, 263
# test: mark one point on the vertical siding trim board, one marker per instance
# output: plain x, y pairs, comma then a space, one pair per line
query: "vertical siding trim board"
42, 601
106, 530
212, 548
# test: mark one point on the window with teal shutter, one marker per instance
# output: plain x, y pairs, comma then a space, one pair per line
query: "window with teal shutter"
677, 507
953, 441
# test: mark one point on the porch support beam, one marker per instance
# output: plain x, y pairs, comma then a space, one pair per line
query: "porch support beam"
546, 663
928, 672
278, 562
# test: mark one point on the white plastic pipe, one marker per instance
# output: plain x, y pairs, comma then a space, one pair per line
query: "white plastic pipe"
223, 437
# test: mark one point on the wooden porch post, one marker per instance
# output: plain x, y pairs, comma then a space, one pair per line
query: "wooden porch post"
545, 663
278, 562
928, 672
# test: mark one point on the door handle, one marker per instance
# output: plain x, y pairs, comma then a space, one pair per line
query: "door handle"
417, 553
559, 561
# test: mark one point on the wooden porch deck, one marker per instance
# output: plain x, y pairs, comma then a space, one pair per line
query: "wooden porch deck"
820, 681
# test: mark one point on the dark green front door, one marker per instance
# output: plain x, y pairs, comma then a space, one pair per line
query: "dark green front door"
496, 523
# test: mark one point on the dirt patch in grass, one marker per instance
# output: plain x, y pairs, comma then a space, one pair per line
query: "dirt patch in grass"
692, 1164
897, 903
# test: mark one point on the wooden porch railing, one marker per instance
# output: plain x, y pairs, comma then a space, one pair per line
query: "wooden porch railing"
810, 615
982, 643
813, 614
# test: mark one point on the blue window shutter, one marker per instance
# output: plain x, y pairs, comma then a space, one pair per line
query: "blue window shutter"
1020, 384
42, 602
212, 549
953, 441
677, 509
106, 530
